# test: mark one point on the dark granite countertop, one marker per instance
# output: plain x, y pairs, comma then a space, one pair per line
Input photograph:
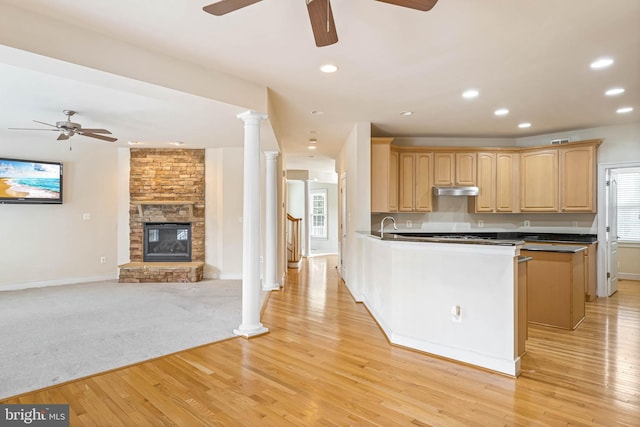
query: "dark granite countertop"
503, 236
446, 238
553, 248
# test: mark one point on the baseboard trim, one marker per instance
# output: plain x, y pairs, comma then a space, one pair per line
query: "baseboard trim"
57, 282
628, 276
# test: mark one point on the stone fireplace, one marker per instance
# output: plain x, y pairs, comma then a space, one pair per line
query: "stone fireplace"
166, 186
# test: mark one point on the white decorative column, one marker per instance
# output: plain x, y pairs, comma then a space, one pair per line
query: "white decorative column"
251, 290
307, 218
271, 223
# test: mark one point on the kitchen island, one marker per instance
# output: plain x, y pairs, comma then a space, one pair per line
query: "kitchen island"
455, 299
556, 278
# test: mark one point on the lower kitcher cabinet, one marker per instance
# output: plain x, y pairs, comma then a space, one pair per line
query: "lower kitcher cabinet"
416, 171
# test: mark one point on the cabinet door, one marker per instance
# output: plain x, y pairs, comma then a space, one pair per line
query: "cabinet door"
539, 181
486, 198
507, 166
379, 176
443, 169
423, 173
465, 169
406, 182
393, 180
577, 183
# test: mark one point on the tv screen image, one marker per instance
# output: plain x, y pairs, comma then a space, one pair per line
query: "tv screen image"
30, 181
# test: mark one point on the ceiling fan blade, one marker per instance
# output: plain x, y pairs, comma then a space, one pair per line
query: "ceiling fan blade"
94, 130
62, 137
102, 137
55, 130
223, 7
322, 24
43, 123
423, 5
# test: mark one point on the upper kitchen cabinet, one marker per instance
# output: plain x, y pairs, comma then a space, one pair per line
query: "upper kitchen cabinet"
497, 180
577, 178
454, 169
539, 180
415, 182
384, 175
559, 179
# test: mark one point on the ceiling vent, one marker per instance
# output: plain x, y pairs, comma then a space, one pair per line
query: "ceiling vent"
559, 141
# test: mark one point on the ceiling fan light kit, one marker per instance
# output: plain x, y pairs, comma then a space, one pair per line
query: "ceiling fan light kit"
320, 14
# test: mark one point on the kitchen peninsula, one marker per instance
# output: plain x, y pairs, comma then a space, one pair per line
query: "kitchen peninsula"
456, 299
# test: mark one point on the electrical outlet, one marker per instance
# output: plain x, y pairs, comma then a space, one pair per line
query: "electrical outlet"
103, 260
480, 224
86, 216
527, 223
409, 223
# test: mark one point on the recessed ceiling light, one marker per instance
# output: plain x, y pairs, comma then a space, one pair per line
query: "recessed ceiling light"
471, 93
314, 132
329, 68
524, 125
177, 143
313, 141
317, 112
501, 112
134, 143
624, 110
601, 63
614, 91
406, 113
312, 147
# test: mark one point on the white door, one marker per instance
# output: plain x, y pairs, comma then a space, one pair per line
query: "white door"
612, 233
343, 224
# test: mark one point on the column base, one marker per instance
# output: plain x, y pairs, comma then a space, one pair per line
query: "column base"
271, 287
251, 332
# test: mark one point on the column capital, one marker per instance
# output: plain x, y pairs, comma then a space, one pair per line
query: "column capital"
251, 116
271, 154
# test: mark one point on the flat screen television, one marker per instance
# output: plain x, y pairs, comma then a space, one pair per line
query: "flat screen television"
30, 181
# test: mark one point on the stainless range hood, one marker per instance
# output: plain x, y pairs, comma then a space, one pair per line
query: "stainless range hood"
456, 191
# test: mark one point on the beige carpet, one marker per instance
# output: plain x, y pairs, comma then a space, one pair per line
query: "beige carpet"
55, 334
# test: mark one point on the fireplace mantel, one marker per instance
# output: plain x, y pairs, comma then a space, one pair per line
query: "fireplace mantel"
142, 204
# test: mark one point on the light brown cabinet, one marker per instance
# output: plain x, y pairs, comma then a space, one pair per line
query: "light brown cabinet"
577, 179
539, 181
559, 179
454, 169
415, 179
384, 175
590, 267
555, 288
497, 180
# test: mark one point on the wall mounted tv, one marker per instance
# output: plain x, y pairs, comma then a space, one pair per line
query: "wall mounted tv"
30, 181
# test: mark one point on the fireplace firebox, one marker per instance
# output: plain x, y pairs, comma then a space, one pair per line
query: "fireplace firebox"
167, 242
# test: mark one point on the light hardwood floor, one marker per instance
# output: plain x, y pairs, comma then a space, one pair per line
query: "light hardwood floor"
325, 362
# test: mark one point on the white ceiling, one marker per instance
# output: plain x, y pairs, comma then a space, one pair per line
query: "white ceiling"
530, 56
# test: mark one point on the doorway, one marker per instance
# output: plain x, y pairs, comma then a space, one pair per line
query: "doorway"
612, 197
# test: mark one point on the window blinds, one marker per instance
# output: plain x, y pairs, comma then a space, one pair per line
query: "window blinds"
628, 206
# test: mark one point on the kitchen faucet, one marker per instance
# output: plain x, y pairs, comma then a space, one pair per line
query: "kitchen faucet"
393, 220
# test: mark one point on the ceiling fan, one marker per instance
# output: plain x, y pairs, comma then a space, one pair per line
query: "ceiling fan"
68, 128
320, 14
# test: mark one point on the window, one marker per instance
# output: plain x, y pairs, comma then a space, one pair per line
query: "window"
319, 214
628, 206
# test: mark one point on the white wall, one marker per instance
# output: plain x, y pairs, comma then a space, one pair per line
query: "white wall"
52, 244
629, 261
354, 161
223, 224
